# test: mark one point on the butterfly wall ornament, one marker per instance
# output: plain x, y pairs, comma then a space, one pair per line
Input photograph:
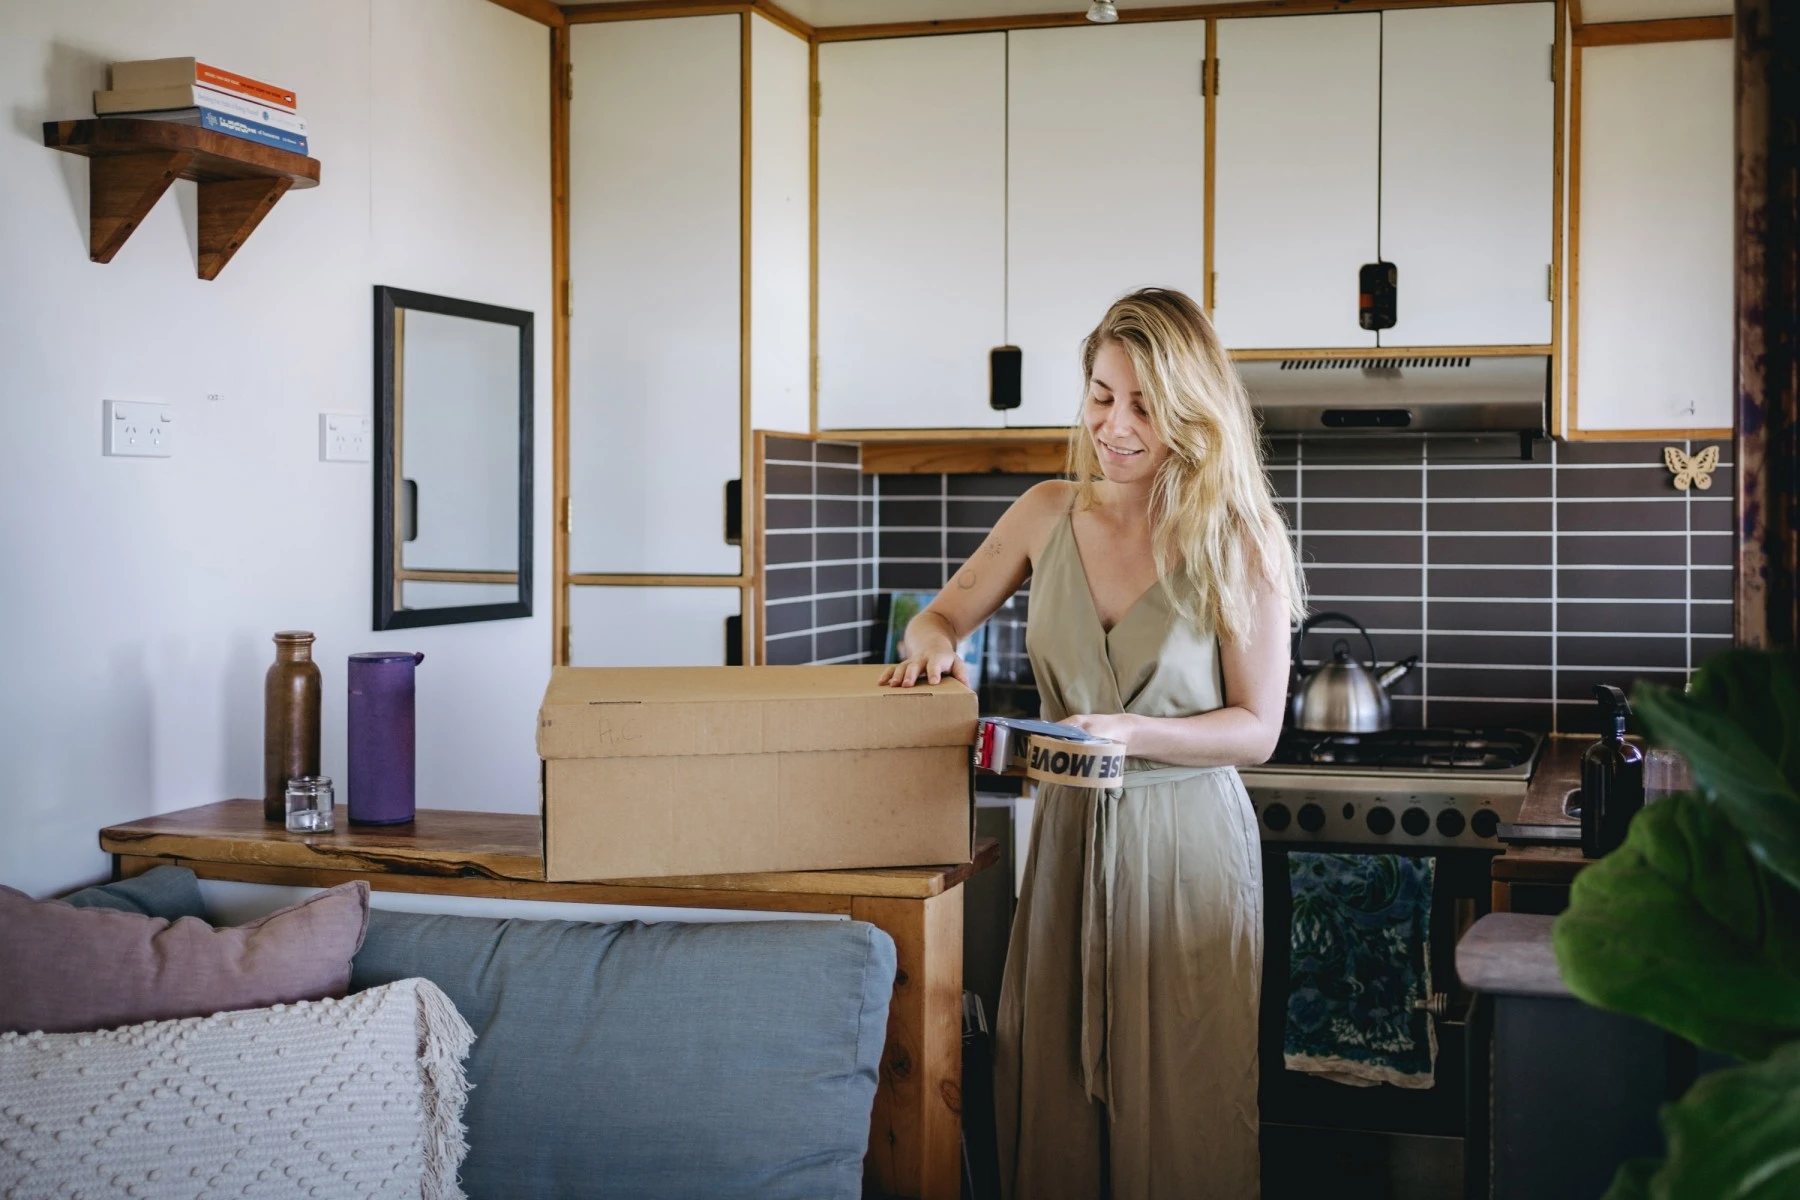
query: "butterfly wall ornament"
1691, 470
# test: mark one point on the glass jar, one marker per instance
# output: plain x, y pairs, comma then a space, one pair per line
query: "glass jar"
310, 804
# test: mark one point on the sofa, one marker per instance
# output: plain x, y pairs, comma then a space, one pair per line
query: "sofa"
638, 1060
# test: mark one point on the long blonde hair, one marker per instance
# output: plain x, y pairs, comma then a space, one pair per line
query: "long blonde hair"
1218, 537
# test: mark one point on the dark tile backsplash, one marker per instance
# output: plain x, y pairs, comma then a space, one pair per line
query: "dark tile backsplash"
1519, 585
818, 535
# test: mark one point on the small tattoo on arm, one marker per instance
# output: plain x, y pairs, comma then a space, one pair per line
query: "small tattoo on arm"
966, 579
993, 547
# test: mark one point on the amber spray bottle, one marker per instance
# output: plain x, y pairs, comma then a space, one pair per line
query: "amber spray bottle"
290, 719
1612, 778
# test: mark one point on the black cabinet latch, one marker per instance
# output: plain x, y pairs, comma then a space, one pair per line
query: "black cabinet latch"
1004, 365
1376, 287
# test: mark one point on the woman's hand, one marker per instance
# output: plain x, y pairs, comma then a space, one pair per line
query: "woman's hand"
1114, 727
932, 667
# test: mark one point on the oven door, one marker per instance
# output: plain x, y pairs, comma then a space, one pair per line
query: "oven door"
1394, 1142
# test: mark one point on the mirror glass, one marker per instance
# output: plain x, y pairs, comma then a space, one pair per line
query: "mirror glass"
453, 444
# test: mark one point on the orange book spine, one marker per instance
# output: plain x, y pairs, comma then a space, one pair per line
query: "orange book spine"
242, 85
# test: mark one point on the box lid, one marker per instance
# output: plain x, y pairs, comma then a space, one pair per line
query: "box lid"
647, 712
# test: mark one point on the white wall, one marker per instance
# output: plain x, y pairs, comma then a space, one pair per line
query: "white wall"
137, 596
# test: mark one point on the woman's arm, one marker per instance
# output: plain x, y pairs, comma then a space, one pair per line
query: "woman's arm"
1241, 733
994, 572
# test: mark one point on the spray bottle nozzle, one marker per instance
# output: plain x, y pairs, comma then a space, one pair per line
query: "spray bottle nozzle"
1614, 709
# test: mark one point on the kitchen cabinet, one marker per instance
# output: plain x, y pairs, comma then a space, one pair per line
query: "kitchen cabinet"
654, 331
1424, 138
1468, 159
1097, 205
1651, 274
1297, 120
651, 626
911, 230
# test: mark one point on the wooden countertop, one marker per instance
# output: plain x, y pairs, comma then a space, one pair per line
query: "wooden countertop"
1558, 772
447, 844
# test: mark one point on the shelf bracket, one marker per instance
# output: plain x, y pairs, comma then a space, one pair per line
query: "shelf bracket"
122, 188
230, 209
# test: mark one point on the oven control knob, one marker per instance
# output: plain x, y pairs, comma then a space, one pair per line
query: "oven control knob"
1450, 823
1277, 816
1485, 823
1415, 821
1380, 819
1312, 818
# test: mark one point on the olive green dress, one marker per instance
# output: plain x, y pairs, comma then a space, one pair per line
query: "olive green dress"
1126, 1038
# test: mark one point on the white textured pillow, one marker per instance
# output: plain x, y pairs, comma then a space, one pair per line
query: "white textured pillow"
355, 1097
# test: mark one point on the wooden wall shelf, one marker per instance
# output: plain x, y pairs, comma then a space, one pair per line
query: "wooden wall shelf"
963, 452
132, 163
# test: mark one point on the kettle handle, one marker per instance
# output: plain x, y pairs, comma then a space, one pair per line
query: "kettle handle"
1322, 618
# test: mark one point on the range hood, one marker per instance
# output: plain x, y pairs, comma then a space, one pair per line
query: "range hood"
1444, 394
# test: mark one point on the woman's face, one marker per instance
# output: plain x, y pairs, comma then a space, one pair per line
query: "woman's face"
1116, 420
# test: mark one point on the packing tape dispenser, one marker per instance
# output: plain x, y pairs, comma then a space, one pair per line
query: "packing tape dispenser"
1048, 752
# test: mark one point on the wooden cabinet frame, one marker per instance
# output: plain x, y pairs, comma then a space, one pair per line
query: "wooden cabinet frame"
559, 17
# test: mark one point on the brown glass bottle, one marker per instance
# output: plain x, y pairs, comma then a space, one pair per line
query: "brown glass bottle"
290, 719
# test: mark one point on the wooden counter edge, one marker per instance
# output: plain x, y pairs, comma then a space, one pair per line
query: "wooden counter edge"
1510, 954
223, 833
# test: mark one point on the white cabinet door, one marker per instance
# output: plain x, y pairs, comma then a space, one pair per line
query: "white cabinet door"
1106, 188
1467, 173
654, 389
1652, 339
1295, 178
912, 230
780, 230
650, 626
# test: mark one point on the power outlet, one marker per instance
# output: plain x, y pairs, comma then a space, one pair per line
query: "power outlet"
138, 429
344, 437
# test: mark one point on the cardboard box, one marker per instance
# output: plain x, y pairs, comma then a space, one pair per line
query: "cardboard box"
717, 770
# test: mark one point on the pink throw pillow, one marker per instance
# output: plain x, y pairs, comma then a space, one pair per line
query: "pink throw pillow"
73, 970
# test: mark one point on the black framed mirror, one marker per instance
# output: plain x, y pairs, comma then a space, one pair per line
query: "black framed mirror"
453, 460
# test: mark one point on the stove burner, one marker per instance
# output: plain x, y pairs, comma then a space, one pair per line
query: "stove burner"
1453, 749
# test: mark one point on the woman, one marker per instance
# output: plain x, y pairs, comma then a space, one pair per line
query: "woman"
1163, 587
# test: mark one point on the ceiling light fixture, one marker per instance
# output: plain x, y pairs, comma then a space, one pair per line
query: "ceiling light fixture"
1102, 12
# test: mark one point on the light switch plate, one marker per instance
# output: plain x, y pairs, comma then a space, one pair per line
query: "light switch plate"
344, 437
139, 429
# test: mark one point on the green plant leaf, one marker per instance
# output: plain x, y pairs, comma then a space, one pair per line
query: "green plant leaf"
1681, 926
1739, 728
1735, 1135
1633, 1180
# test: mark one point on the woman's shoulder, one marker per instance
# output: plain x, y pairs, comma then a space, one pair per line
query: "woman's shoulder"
1037, 511
1051, 498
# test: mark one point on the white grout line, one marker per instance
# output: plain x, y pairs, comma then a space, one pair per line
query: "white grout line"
1468, 465
1687, 577
1425, 578
1678, 498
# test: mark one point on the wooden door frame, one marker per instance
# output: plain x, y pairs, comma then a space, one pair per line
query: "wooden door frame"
745, 581
1768, 317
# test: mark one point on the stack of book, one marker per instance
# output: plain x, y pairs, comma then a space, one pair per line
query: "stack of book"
189, 92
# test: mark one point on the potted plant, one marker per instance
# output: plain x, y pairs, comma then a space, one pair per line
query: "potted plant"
1694, 924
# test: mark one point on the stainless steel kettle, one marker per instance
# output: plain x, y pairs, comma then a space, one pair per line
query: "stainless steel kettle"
1342, 695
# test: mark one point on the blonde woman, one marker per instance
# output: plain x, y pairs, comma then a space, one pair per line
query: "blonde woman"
1162, 588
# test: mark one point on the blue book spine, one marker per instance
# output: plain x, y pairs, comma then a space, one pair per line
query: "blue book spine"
252, 131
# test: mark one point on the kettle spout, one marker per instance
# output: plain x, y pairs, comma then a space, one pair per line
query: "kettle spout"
1398, 671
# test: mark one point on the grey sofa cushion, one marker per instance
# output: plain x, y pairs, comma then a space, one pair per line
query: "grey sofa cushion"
645, 1061
170, 892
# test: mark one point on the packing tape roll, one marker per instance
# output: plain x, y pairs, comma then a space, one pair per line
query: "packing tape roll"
1072, 764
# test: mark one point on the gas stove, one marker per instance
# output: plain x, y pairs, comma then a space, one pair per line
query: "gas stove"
1404, 788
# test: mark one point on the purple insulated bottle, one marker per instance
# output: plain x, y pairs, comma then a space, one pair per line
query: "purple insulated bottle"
381, 737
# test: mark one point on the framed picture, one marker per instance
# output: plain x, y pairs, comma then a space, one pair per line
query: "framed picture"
904, 606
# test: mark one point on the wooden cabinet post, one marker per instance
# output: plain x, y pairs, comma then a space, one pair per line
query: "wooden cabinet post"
916, 1126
